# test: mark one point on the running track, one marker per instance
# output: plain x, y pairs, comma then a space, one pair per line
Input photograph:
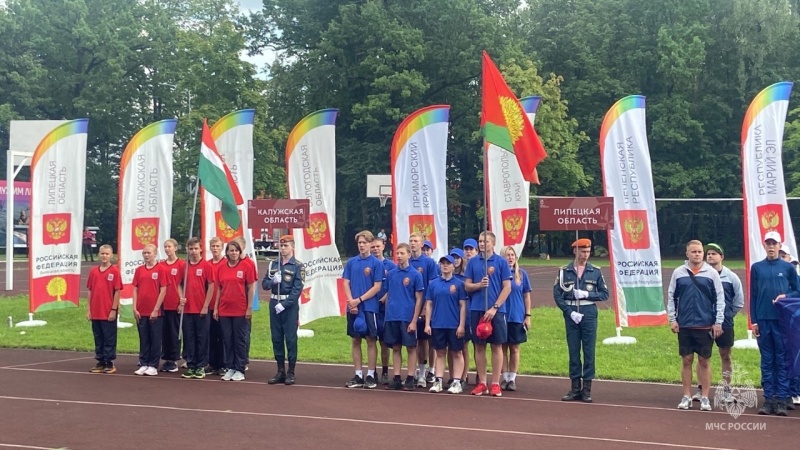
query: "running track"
48, 399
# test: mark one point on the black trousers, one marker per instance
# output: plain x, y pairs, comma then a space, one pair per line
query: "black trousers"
234, 342
195, 340
283, 328
215, 356
171, 348
150, 334
105, 340
88, 253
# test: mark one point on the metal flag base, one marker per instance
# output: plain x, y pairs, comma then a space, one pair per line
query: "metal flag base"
619, 339
121, 324
748, 343
305, 333
31, 323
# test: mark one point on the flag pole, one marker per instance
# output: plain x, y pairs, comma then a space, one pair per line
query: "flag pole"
186, 272
485, 225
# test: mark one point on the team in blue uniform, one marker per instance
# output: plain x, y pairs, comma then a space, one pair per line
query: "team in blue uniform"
377, 248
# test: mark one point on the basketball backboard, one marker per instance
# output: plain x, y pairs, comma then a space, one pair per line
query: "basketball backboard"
379, 186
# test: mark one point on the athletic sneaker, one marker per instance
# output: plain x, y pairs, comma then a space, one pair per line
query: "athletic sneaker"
726, 395
188, 374
796, 399
184, 366
169, 366
480, 389
455, 388
141, 370
394, 385
222, 371
98, 368
511, 386
430, 377
409, 385
686, 402
355, 382
151, 371
237, 376
495, 390
421, 382
384, 379
370, 383
449, 383
504, 385
228, 375
698, 395
705, 405
109, 369
437, 387
199, 374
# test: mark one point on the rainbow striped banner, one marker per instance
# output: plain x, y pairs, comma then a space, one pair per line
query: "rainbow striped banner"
58, 190
311, 174
419, 190
635, 254
145, 201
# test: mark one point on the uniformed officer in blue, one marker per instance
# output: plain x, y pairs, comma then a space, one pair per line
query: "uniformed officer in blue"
284, 280
578, 287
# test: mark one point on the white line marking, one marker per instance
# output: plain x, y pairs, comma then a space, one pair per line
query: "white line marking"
45, 362
25, 446
359, 421
214, 378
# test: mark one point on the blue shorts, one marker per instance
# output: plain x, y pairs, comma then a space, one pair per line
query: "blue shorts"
395, 333
442, 338
421, 334
372, 325
499, 329
381, 316
516, 333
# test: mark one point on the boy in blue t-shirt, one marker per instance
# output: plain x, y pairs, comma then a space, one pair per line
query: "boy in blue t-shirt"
445, 316
403, 305
363, 277
429, 270
377, 248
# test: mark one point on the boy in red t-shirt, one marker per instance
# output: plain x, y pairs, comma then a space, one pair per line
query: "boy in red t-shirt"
175, 269
196, 321
215, 358
104, 285
149, 288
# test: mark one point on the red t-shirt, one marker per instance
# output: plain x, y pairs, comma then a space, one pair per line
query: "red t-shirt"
233, 282
199, 280
148, 282
103, 284
214, 267
175, 272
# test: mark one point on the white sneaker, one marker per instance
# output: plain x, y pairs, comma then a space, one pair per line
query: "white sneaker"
237, 376
140, 370
151, 371
686, 402
697, 395
705, 405
437, 387
228, 375
796, 399
421, 382
455, 388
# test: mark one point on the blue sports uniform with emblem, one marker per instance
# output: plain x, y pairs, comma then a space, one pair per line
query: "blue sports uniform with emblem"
363, 273
388, 266
499, 271
403, 285
447, 298
515, 307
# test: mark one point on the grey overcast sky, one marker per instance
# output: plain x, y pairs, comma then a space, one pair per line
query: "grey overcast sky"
259, 61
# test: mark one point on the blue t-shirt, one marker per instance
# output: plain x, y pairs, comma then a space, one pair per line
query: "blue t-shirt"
363, 273
388, 265
427, 267
515, 312
403, 284
446, 297
499, 271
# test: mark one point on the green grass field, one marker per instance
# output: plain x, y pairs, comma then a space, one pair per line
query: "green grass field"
653, 358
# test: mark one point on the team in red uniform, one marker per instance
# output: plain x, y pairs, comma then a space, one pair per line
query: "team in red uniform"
176, 270
104, 285
149, 288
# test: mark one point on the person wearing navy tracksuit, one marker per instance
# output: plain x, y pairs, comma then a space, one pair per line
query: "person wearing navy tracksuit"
771, 279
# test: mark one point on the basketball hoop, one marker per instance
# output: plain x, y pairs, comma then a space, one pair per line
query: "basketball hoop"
383, 199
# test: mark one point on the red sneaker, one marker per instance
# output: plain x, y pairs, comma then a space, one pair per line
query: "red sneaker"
495, 391
480, 389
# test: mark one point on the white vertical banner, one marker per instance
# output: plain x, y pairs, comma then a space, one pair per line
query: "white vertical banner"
419, 177
58, 181
764, 190
311, 174
233, 136
635, 254
145, 200
508, 194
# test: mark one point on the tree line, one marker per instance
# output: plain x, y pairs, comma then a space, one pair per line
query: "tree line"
126, 64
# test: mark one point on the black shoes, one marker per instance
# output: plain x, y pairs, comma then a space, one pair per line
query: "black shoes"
279, 377
575, 393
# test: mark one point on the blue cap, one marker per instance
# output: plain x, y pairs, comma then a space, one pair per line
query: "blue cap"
457, 252
427, 244
470, 243
360, 324
448, 258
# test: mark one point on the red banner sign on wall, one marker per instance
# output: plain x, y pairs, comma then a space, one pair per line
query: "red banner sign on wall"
576, 213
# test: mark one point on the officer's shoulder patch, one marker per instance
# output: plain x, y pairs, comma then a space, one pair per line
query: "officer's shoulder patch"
302, 271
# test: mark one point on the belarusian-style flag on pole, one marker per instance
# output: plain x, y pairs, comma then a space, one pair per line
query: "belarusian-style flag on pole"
504, 124
217, 180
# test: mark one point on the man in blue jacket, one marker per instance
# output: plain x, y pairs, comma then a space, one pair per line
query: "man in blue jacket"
696, 310
771, 279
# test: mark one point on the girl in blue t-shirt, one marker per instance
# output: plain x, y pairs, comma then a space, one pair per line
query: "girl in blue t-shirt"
519, 319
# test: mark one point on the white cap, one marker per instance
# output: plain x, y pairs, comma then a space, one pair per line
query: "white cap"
774, 235
785, 249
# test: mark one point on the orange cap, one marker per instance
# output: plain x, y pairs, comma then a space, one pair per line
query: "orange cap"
583, 242
286, 238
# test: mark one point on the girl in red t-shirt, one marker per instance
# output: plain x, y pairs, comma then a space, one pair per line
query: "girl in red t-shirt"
175, 269
215, 359
234, 308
